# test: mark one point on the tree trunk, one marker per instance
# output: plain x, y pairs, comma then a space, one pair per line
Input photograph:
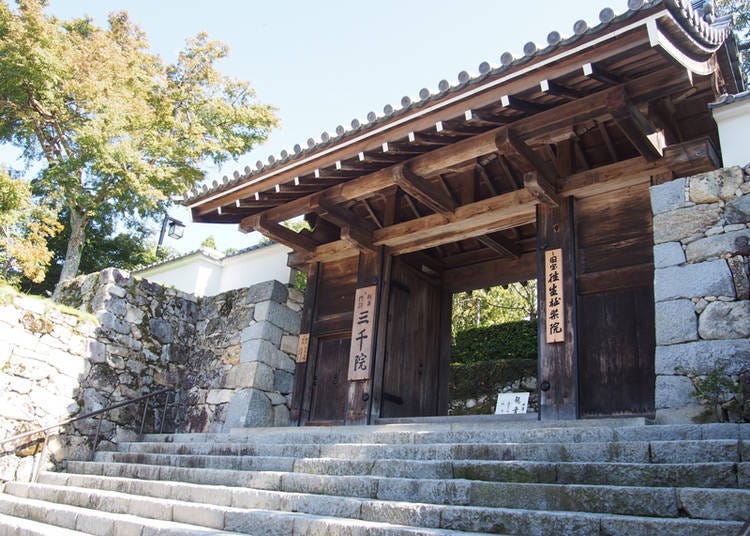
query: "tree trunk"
78, 221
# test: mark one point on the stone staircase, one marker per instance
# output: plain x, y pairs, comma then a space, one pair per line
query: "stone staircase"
607, 477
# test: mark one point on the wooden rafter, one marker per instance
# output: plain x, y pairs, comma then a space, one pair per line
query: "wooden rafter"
353, 228
281, 234
639, 130
508, 141
424, 191
501, 245
560, 118
512, 209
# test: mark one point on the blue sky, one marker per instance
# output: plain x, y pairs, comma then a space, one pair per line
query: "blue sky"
327, 62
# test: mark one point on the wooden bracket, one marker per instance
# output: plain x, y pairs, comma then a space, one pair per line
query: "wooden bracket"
281, 234
423, 191
353, 228
640, 131
541, 189
508, 141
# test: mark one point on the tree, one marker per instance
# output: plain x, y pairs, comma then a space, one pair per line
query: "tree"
496, 305
25, 227
209, 242
119, 131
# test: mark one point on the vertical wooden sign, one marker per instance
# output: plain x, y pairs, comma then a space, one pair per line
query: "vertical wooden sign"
360, 354
554, 309
302, 347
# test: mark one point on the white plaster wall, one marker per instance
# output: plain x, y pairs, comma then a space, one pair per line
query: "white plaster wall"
201, 275
257, 266
733, 120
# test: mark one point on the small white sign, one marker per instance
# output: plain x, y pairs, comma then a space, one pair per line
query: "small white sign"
511, 403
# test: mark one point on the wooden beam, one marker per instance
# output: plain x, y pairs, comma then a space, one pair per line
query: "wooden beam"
423, 191
281, 234
560, 118
516, 208
501, 245
508, 141
541, 189
353, 229
490, 273
637, 127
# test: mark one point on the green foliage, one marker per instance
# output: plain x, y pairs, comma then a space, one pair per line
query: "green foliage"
718, 391
482, 380
209, 242
741, 11
494, 305
300, 280
104, 247
513, 340
25, 226
119, 131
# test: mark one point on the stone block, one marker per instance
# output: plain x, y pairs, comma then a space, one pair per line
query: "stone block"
674, 392
668, 196
283, 381
725, 320
265, 352
738, 211
161, 330
278, 315
738, 267
679, 224
254, 374
676, 322
267, 291
108, 321
717, 185
710, 278
735, 243
219, 396
281, 415
134, 315
248, 408
289, 344
703, 356
262, 330
668, 254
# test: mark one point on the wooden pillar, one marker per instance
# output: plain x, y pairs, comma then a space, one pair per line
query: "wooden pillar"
443, 394
360, 393
558, 361
300, 401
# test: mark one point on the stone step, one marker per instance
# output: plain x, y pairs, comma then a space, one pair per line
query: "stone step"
77, 520
204, 517
16, 526
486, 520
709, 475
685, 451
726, 504
400, 434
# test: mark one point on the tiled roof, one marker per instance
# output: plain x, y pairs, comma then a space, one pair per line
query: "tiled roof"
209, 252
705, 33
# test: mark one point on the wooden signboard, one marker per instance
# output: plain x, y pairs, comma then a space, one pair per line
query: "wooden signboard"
302, 346
360, 354
554, 309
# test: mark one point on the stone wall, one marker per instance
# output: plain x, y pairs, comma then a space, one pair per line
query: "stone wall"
701, 249
230, 358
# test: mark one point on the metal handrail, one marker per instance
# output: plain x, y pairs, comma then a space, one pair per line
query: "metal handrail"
100, 413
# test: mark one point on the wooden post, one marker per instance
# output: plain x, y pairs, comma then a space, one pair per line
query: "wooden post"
360, 395
300, 401
443, 394
558, 360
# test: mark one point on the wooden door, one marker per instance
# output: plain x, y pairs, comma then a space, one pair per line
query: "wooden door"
329, 383
411, 365
615, 303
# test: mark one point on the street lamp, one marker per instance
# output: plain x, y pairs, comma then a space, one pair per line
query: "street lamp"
172, 227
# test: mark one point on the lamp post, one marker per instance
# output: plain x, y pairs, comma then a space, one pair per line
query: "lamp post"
172, 227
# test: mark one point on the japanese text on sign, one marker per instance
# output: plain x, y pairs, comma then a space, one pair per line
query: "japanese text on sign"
511, 403
360, 354
554, 302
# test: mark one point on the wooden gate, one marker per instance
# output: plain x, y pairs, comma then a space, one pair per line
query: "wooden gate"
615, 305
412, 357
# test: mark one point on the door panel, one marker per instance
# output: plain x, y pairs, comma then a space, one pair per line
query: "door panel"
615, 303
411, 365
329, 385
